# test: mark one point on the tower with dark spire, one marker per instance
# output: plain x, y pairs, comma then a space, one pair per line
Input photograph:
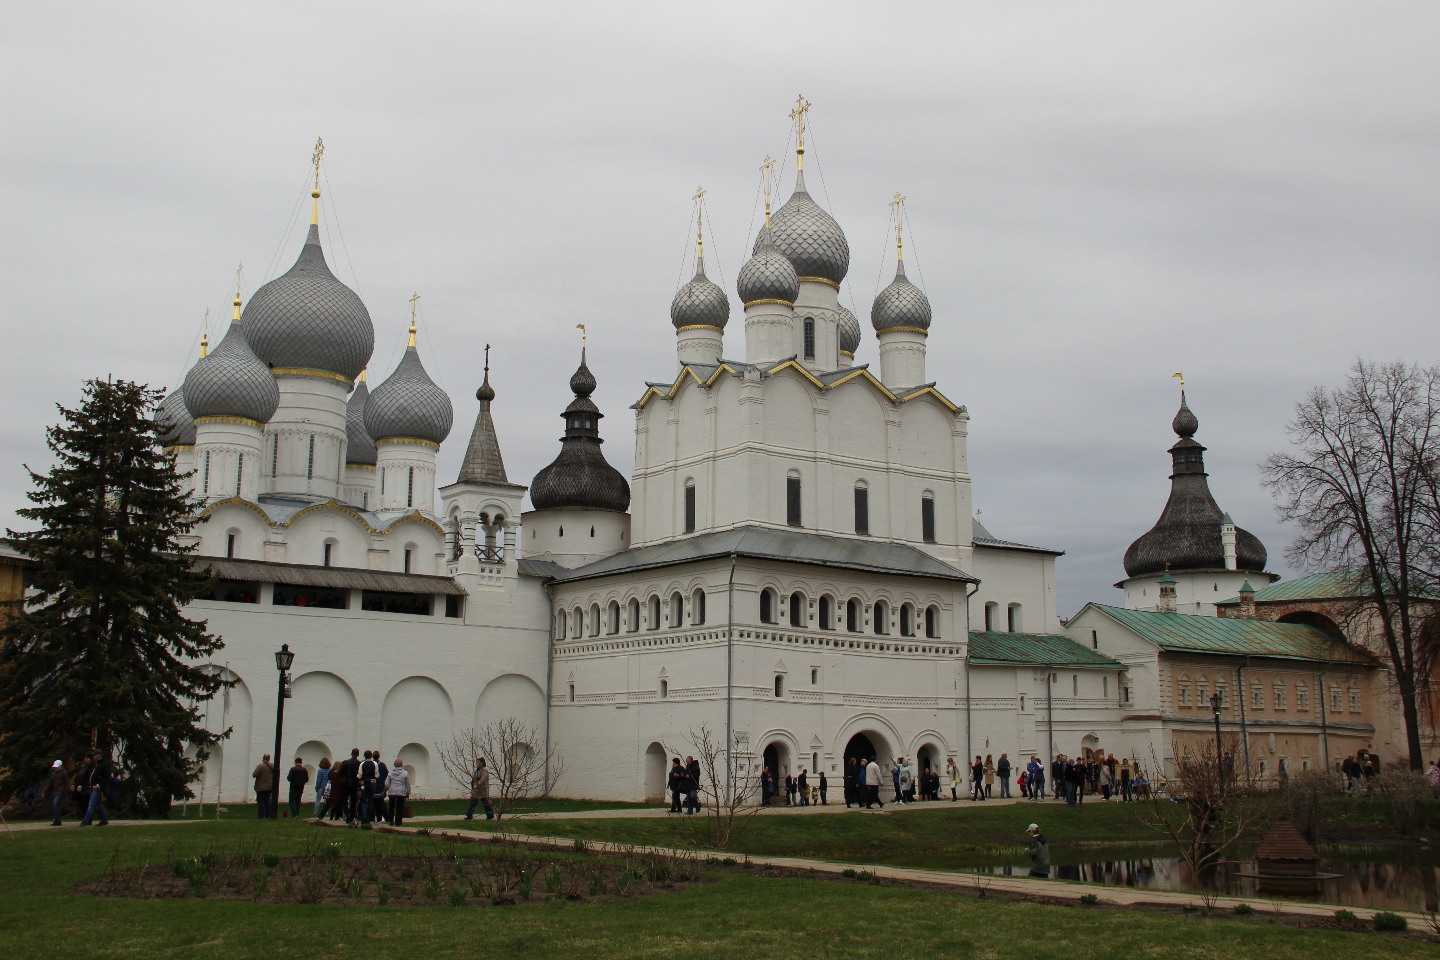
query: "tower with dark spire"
1194, 542
482, 507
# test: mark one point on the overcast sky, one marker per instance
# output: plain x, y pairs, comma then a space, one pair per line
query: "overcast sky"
1101, 194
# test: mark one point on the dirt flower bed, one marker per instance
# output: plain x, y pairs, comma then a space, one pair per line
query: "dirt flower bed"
443, 875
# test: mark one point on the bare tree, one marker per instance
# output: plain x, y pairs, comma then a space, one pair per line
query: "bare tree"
523, 768
1362, 486
728, 795
1202, 813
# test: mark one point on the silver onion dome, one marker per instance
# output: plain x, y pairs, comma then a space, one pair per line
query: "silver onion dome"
700, 302
177, 427
231, 382
359, 445
809, 237
306, 319
849, 327
902, 304
768, 275
409, 404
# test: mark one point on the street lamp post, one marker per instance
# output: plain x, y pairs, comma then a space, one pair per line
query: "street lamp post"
1215, 702
283, 659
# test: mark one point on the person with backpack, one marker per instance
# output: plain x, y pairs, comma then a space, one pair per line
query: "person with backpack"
369, 772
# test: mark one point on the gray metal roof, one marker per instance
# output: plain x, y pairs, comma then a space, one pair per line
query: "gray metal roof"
768, 275
785, 546
849, 331
359, 445
700, 302
1187, 535
984, 538
581, 477
482, 462
409, 404
902, 304
231, 382
340, 578
544, 569
809, 237
178, 427
307, 319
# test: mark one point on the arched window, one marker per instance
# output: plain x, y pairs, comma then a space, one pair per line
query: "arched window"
932, 622
779, 685
1280, 697
689, 506
1182, 690
1302, 696
827, 612
797, 610
809, 338
594, 619
792, 500
632, 615
664, 689
1013, 623
560, 619
577, 623
697, 607
327, 554
1222, 687
992, 613
613, 616
677, 609
767, 605
1202, 691
862, 509
907, 620
927, 517
852, 615
654, 613
882, 617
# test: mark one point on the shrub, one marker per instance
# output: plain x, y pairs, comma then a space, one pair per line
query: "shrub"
1346, 916
1243, 909
1089, 899
1389, 921
848, 872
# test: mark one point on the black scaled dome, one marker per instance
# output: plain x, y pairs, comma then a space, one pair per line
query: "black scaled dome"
580, 478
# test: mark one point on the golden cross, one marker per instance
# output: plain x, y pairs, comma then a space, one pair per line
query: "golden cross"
238, 271
1181, 378
802, 107
699, 199
899, 204
581, 328
414, 301
765, 173
315, 158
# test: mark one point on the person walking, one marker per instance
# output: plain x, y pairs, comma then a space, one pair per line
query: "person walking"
348, 773
953, 772
397, 789
1035, 779
989, 776
895, 777
789, 787
850, 782
1107, 781
824, 790
675, 782
862, 787
692, 784
94, 780
57, 788
872, 785
1039, 851
298, 777
264, 777
369, 773
480, 790
977, 779
802, 783
322, 780
1002, 770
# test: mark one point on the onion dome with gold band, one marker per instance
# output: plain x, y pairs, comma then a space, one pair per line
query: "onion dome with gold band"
580, 477
849, 327
902, 304
809, 237
700, 303
409, 405
306, 320
231, 381
359, 445
177, 427
1188, 534
768, 275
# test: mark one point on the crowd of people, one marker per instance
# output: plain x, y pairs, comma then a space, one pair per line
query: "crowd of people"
358, 789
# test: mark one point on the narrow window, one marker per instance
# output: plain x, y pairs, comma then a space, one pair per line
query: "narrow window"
654, 613
826, 613
797, 610
612, 614
767, 606
927, 518
932, 623
907, 620
230, 545
365, 502
990, 617
814, 676
690, 507
677, 610
239, 474
274, 456
882, 617
697, 607
410, 488
862, 511
1012, 618
329, 551
792, 501
779, 685
809, 338
205, 476
852, 615
1074, 685
632, 615
310, 461
572, 693
664, 689
1094, 640
408, 554
1105, 687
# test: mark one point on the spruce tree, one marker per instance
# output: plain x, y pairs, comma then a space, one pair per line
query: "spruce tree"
100, 655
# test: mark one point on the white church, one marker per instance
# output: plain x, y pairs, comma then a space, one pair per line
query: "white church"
794, 562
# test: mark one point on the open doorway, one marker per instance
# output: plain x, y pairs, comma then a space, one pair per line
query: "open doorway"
776, 759
655, 773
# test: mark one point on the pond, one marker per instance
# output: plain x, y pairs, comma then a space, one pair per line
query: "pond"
1370, 878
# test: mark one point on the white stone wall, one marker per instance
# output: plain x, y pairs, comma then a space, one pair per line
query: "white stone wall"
1020, 579
1196, 592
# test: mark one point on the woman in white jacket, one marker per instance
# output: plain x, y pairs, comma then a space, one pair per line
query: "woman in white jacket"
397, 788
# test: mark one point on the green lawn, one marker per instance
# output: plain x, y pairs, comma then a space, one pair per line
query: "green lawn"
738, 914
423, 808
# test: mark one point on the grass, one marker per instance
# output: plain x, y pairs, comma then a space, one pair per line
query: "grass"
422, 808
740, 913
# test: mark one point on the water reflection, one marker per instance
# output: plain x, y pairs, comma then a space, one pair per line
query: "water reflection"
1409, 882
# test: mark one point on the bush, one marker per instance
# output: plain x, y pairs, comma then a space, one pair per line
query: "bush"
1243, 909
1089, 899
1389, 921
1346, 916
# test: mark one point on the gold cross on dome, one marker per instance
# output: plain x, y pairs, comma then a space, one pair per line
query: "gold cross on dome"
315, 158
583, 337
765, 176
1180, 377
699, 199
802, 107
899, 204
414, 302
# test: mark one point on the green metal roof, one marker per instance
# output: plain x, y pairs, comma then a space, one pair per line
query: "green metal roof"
1039, 649
1234, 636
1319, 586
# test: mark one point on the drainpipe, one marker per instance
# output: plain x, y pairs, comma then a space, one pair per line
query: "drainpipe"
1244, 729
1324, 724
730, 683
549, 676
1050, 711
968, 739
